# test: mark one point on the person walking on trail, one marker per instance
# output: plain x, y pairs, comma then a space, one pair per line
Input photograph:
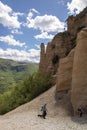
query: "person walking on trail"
44, 111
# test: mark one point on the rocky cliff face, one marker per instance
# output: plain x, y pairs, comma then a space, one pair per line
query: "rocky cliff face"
79, 75
72, 75
64, 77
62, 43
67, 63
75, 23
58, 48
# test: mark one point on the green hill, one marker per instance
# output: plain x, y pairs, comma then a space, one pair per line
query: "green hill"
12, 72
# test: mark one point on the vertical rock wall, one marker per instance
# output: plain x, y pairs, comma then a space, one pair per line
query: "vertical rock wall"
64, 77
79, 75
71, 70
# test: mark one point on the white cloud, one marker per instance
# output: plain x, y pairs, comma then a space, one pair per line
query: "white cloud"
18, 14
76, 6
34, 53
34, 10
31, 13
8, 18
44, 35
46, 23
16, 31
20, 55
9, 39
38, 46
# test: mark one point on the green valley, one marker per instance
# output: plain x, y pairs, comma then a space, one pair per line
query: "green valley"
12, 72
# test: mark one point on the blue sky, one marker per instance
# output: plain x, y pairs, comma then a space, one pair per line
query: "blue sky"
25, 24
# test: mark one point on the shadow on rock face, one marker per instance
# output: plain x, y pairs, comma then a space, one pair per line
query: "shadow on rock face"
63, 99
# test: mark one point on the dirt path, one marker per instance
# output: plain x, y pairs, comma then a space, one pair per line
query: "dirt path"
25, 116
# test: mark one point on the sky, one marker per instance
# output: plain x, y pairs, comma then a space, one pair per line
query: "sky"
25, 24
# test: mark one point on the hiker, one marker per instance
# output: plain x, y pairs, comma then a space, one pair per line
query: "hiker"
44, 111
80, 112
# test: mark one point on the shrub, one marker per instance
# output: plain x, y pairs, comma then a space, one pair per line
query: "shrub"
25, 91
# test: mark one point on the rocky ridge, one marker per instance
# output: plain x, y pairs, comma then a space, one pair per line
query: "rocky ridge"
66, 59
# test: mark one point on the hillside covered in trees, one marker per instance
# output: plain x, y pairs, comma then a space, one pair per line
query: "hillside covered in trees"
12, 72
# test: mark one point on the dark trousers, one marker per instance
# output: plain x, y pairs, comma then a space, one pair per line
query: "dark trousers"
44, 114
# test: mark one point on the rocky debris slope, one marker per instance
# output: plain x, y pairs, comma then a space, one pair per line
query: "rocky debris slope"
25, 117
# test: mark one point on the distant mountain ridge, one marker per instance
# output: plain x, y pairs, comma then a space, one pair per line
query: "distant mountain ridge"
11, 72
